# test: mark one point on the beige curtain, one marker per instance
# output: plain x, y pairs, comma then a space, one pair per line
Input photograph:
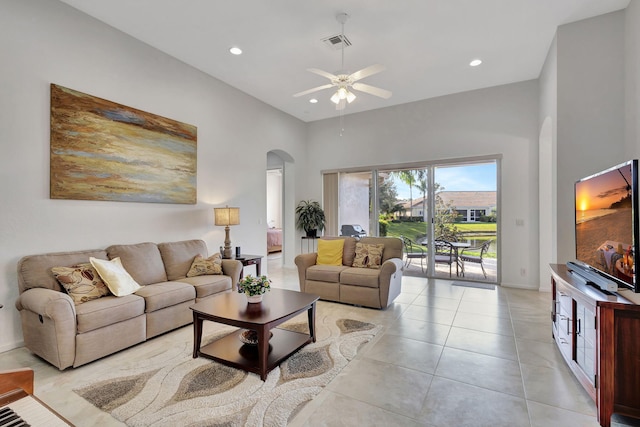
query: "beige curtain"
330, 203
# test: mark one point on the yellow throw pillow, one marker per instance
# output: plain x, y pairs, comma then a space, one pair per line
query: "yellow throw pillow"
368, 255
330, 252
202, 266
119, 282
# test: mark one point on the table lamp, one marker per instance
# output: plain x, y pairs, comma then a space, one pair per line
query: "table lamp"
226, 216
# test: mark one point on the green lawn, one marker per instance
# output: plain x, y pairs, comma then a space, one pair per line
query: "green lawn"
413, 230
416, 230
478, 226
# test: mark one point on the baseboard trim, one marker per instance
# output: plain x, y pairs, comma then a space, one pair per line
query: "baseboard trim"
11, 346
518, 286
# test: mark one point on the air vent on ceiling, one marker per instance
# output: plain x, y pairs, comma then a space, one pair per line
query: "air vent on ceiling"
335, 42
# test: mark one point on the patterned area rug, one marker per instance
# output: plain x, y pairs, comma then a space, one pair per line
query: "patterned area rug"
174, 389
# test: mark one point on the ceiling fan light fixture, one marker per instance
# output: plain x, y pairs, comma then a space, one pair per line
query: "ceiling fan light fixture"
350, 97
343, 83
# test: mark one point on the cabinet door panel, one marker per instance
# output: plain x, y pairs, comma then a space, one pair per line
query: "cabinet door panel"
585, 340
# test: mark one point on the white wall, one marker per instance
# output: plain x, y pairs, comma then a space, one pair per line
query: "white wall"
548, 178
497, 121
47, 42
632, 75
591, 110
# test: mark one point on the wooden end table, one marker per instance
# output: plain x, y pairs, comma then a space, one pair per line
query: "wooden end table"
247, 260
232, 308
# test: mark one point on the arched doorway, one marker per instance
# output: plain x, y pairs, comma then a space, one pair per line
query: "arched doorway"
280, 206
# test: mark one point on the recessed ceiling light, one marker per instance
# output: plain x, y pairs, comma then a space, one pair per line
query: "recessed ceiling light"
235, 51
475, 62
313, 101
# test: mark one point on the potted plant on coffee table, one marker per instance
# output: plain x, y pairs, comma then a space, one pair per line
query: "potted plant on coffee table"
254, 287
310, 217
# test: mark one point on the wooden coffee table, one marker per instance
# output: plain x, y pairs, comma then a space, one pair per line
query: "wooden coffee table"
232, 308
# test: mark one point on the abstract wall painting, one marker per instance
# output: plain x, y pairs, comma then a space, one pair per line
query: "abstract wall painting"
101, 150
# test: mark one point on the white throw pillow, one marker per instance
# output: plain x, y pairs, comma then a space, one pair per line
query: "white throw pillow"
119, 282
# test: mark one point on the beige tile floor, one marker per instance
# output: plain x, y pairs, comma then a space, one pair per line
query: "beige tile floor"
448, 356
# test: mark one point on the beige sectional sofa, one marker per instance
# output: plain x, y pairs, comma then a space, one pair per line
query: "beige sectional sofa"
369, 287
66, 334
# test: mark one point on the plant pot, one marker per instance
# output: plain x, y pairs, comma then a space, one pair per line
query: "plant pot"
312, 233
254, 298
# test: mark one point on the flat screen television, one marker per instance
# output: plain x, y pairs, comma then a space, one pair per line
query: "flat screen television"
606, 218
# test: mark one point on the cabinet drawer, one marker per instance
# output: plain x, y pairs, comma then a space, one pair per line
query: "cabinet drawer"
564, 331
564, 344
564, 300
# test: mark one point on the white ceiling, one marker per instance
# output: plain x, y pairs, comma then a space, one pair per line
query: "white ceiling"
426, 45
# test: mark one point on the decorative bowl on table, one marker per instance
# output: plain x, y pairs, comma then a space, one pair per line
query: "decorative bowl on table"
251, 337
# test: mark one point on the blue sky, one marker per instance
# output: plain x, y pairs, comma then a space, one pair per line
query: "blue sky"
475, 177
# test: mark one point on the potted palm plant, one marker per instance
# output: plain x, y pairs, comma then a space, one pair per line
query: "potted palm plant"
310, 217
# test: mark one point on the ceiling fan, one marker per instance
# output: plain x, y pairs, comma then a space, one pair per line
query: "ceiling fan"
344, 82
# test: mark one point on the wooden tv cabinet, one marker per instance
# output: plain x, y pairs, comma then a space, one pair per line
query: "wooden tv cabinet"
598, 335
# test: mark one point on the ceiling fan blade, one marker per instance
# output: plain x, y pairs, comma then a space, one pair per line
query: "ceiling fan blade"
366, 72
315, 89
322, 73
372, 90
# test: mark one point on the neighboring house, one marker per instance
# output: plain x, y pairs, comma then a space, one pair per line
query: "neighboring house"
470, 205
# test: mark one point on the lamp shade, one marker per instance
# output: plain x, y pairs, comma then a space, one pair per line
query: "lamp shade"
226, 216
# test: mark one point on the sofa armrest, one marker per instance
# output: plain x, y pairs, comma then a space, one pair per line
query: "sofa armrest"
390, 280
232, 268
48, 303
304, 261
49, 325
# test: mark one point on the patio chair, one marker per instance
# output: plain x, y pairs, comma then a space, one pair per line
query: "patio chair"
476, 259
412, 251
445, 254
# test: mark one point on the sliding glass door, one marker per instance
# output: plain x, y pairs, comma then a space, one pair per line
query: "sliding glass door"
355, 207
446, 213
466, 216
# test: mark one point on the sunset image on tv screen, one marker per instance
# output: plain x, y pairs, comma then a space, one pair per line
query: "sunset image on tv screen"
604, 226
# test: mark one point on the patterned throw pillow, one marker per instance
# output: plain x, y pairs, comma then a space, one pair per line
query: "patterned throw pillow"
81, 282
368, 255
202, 266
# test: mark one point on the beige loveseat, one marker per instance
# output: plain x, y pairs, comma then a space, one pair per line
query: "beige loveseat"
376, 288
65, 334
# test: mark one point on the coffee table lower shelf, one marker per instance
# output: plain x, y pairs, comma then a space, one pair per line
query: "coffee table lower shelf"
230, 351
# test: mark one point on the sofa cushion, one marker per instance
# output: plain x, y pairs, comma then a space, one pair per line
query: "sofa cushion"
205, 266
178, 256
165, 294
330, 252
208, 285
143, 262
349, 251
34, 271
82, 282
107, 311
368, 255
366, 277
116, 277
325, 273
